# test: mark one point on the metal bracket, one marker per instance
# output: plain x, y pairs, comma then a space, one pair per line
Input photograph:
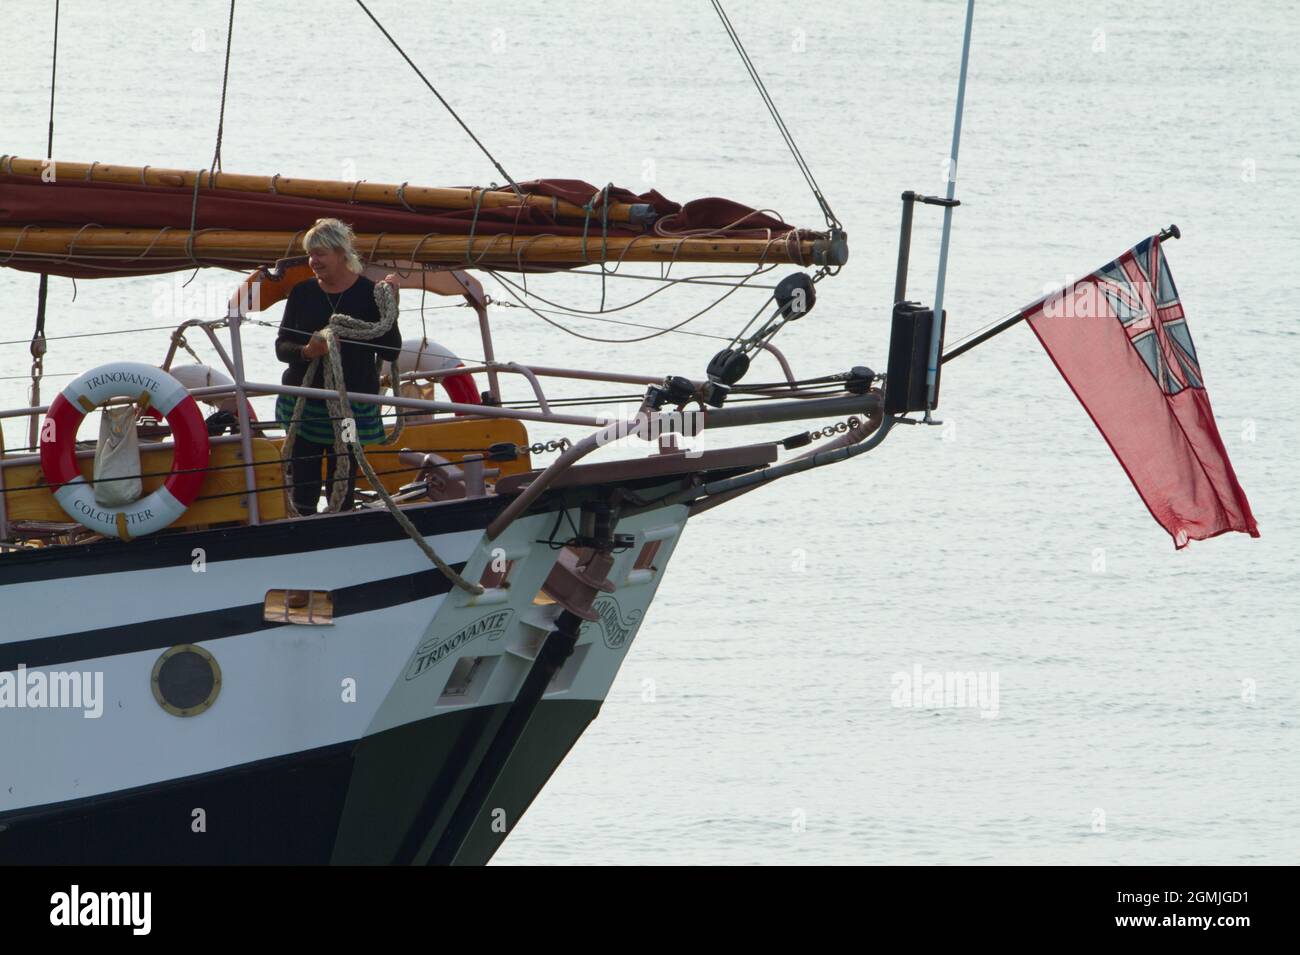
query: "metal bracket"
910, 198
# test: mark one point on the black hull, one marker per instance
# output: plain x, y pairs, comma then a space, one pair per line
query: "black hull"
386, 799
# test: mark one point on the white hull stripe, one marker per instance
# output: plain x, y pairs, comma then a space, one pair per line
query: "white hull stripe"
213, 625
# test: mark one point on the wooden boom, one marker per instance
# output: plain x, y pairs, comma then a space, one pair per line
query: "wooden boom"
388, 194
220, 247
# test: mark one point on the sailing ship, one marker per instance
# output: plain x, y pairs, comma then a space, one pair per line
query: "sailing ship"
392, 683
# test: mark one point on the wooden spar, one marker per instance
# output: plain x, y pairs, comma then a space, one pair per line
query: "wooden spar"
255, 248
427, 197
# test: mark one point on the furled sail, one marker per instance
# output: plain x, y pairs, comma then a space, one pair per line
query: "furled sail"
95, 220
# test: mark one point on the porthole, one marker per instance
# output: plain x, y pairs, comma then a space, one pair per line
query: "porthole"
186, 680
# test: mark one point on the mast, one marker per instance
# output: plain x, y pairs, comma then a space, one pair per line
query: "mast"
932, 366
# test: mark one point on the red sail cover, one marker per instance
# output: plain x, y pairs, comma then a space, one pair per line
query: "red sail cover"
29, 201
1120, 340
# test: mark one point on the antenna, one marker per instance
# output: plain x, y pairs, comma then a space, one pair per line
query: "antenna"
932, 365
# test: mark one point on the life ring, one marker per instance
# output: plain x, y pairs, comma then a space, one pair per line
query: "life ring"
419, 354
205, 376
462, 389
124, 379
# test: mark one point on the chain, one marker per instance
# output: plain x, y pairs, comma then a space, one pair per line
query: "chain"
541, 447
38, 370
838, 427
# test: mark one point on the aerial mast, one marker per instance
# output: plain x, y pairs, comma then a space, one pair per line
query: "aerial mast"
932, 366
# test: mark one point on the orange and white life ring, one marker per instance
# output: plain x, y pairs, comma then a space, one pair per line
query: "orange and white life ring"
462, 389
205, 376
421, 354
124, 379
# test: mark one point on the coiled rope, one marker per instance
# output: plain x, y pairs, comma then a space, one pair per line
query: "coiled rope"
344, 425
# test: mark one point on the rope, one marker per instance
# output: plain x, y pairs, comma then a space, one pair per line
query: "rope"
216, 159
615, 321
831, 220
613, 341
194, 215
473, 227
666, 283
759, 269
120, 331
359, 330
225, 79
179, 338
38, 345
401, 197
586, 222
454, 115
54, 70
340, 411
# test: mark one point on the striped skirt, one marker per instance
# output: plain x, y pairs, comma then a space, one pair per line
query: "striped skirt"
315, 424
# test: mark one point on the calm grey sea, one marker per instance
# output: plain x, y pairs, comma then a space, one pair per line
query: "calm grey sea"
1148, 701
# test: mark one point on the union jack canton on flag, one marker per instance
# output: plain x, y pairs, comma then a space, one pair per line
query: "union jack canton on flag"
1120, 339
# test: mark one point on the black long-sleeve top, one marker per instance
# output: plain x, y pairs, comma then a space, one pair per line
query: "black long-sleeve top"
308, 311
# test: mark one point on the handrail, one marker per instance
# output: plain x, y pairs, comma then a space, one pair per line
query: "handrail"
544, 480
401, 401
532, 380
18, 460
578, 374
241, 413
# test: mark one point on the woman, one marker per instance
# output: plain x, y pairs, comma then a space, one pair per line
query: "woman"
338, 287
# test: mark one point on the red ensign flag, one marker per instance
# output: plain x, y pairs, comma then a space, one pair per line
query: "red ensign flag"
1120, 340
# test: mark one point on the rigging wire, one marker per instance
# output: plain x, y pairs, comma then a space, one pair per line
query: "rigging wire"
615, 321
612, 341
497, 304
225, 80
216, 152
454, 115
559, 310
831, 220
667, 283
688, 280
54, 72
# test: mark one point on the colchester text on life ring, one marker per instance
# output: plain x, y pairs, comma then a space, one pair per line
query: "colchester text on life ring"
124, 379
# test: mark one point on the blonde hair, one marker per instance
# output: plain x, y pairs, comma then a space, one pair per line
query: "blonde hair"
333, 234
